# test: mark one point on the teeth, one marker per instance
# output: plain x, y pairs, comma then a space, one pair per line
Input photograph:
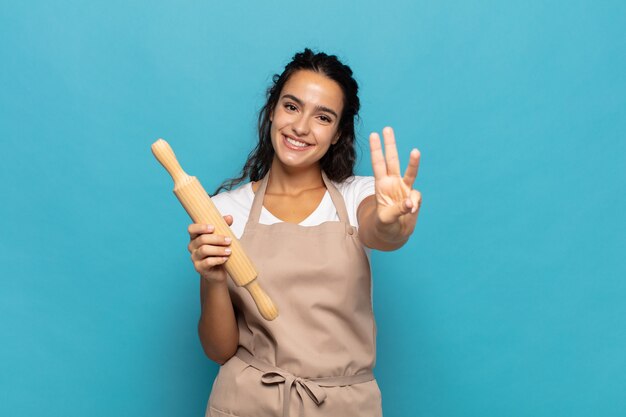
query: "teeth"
296, 143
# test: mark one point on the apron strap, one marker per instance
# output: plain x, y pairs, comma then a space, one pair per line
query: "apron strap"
338, 200
335, 195
257, 203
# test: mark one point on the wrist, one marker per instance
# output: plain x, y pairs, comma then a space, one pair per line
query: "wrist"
389, 232
211, 288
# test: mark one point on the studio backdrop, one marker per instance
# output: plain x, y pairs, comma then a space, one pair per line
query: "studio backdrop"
508, 300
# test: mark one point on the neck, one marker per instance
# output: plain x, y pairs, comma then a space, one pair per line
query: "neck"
293, 181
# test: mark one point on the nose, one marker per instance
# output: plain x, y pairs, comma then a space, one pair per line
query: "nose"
300, 126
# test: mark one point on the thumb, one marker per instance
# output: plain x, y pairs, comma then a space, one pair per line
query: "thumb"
228, 219
416, 200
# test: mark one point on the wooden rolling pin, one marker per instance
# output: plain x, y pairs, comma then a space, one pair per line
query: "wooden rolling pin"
202, 210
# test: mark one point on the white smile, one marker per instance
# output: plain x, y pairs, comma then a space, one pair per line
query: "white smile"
295, 144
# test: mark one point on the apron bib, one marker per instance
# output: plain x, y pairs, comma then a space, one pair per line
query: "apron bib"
316, 358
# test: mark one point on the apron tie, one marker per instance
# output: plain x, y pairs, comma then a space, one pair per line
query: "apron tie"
314, 391
311, 386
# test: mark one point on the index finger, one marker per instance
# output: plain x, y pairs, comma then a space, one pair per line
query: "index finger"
391, 152
197, 229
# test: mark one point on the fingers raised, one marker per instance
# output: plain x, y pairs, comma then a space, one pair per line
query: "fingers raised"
391, 152
378, 160
411, 170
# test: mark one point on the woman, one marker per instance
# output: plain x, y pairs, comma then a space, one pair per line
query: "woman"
308, 224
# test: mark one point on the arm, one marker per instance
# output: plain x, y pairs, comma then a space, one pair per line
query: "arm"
217, 327
387, 218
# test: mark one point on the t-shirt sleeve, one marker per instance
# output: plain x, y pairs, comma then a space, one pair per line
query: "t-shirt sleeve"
354, 191
365, 188
237, 203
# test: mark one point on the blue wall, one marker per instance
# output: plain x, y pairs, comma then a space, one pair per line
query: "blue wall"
508, 301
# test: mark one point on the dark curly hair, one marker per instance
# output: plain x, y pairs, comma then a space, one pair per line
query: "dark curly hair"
338, 162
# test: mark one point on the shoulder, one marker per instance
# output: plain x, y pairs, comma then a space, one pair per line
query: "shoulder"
234, 202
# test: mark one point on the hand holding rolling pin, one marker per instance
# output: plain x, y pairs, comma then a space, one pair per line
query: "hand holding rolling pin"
201, 209
209, 250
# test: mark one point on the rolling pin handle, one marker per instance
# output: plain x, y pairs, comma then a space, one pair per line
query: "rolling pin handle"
263, 302
165, 155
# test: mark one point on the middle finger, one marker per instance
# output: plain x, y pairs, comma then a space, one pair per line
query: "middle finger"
391, 152
209, 239
205, 251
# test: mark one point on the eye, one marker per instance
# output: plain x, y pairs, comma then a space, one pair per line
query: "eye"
290, 107
325, 119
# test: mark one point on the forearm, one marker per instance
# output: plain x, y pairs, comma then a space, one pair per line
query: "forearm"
388, 236
217, 326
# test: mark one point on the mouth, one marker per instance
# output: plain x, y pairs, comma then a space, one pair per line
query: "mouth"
295, 144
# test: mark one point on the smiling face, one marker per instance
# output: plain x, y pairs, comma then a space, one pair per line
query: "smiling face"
306, 118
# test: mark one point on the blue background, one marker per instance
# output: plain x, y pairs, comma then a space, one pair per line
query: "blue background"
510, 298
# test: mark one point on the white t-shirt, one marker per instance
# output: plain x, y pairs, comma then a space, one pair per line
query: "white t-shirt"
238, 203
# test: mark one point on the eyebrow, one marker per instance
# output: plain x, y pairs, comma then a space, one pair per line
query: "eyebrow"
301, 103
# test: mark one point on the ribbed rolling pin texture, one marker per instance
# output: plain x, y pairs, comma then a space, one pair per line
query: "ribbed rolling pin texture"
201, 209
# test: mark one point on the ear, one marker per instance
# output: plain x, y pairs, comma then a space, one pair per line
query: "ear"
336, 139
271, 116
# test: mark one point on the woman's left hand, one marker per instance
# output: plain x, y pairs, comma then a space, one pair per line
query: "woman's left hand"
397, 203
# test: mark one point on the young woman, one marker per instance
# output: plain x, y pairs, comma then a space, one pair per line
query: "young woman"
308, 224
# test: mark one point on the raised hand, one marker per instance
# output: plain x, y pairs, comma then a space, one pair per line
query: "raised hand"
397, 203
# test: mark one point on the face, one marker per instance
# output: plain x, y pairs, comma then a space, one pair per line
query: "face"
306, 119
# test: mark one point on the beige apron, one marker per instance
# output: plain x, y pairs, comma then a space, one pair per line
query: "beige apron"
316, 358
